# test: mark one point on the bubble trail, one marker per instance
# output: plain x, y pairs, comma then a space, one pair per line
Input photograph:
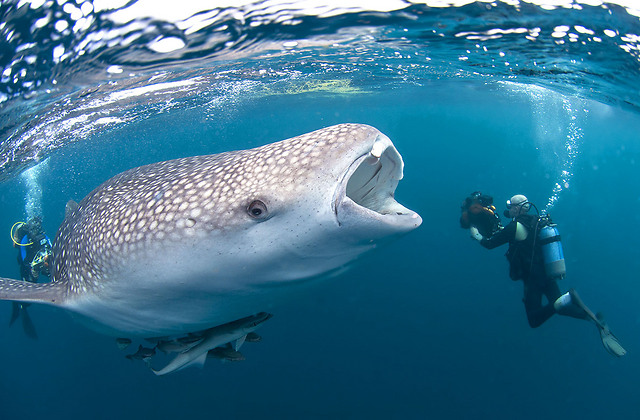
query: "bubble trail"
572, 147
33, 195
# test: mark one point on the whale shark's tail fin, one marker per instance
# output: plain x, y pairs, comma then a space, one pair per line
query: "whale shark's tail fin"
52, 293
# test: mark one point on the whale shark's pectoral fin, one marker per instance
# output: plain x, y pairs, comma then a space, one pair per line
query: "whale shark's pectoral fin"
52, 293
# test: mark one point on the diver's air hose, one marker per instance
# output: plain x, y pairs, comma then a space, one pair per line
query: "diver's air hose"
535, 237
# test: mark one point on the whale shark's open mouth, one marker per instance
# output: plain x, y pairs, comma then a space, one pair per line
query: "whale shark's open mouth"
370, 183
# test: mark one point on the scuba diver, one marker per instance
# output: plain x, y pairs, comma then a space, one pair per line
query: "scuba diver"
34, 258
535, 256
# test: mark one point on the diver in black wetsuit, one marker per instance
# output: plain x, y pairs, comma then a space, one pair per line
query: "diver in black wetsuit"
34, 258
526, 263
34, 254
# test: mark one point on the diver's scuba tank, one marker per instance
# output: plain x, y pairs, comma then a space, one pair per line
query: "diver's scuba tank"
552, 254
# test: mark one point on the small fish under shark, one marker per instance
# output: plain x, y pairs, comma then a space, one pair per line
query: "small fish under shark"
220, 342
185, 245
143, 353
213, 339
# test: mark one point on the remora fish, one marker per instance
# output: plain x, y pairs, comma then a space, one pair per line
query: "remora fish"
178, 345
213, 338
225, 354
123, 343
183, 245
144, 353
253, 338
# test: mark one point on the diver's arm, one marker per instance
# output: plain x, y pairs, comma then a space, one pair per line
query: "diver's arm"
501, 237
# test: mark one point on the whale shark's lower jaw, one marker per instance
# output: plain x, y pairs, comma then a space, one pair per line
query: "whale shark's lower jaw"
367, 191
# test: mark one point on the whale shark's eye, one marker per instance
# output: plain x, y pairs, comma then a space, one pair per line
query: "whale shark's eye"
258, 210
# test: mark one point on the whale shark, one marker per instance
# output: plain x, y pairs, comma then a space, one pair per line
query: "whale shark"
187, 244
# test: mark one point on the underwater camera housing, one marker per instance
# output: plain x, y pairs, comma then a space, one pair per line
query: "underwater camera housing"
478, 210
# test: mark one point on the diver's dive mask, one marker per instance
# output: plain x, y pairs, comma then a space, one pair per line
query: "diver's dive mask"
519, 205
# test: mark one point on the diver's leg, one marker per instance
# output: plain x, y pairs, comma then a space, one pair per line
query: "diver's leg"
20, 308
537, 314
25, 272
568, 304
552, 291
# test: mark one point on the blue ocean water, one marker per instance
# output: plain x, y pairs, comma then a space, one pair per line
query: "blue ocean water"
487, 96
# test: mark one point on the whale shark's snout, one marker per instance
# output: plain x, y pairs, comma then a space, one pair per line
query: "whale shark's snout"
366, 193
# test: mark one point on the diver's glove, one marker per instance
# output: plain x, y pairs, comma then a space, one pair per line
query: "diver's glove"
475, 234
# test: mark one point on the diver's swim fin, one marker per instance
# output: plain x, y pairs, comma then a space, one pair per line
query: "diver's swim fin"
609, 341
15, 312
27, 324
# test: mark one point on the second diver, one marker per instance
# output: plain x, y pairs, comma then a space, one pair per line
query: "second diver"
34, 259
535, 256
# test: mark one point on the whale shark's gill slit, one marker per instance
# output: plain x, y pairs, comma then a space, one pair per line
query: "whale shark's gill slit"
373, 183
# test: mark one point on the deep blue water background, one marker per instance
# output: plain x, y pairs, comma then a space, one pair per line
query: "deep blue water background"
427, 327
